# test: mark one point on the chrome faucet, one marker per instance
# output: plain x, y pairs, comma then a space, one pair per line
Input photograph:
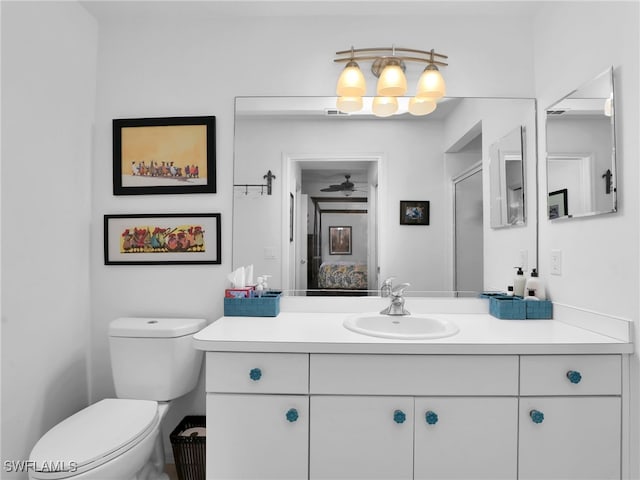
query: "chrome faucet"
387, 286
397, 301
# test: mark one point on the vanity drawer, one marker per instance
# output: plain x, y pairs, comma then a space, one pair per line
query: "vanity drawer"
234, 372
413, 374
570, 375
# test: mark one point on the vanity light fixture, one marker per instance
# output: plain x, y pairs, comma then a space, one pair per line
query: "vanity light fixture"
389, 66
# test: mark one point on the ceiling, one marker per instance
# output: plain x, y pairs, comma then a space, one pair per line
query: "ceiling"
110, 11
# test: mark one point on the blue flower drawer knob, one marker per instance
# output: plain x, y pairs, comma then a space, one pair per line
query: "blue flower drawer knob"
399, 416
431, 417
292, 415
536, 416
255, 374
574, 376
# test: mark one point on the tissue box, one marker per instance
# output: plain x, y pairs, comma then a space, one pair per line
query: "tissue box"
542, 309
268, 305
238, 292
508, 308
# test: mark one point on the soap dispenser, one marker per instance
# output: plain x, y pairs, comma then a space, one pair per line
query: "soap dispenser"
536, 284
519, 283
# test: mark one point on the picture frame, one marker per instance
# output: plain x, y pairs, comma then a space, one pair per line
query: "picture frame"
340, 240
165, 155
414, 212
558, 204
162, 239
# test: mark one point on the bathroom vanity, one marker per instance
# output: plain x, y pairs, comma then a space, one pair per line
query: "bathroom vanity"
300, 396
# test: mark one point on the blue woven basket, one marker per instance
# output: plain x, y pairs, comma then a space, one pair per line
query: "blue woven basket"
542, 309
268, 305
508, 308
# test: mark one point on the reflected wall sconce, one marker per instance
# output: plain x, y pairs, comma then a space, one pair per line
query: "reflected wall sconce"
389, 66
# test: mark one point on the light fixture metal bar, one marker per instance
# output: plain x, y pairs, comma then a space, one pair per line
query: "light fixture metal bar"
399, 57
357, 54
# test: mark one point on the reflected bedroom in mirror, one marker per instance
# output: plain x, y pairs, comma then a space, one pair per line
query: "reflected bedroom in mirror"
332, 226
581, 154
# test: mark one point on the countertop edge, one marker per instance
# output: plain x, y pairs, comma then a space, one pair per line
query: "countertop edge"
413, 348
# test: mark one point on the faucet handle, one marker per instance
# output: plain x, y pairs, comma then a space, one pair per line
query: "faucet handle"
388, 281
398, 290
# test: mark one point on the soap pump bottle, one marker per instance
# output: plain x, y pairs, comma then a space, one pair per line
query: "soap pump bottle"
519, 283
537, 285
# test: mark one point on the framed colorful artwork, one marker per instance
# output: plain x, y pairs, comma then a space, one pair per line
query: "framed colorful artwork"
164, 155
162, 239
339, 240
414, 213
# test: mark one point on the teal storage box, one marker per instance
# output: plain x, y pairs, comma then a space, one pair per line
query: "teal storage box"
507, 307
542, 309
268, 305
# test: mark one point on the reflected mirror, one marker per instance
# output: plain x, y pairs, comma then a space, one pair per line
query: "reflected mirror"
354, 199
581, 163
506, 182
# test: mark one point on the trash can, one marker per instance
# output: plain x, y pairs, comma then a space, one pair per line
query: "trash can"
188, 441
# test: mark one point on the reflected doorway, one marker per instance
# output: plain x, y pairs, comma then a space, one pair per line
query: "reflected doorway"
333, 192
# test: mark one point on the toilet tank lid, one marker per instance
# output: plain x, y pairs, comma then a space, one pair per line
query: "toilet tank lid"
155, 327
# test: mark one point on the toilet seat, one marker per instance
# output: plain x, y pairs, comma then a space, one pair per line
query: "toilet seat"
92, 437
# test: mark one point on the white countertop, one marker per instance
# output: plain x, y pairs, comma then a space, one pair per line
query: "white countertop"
480, 333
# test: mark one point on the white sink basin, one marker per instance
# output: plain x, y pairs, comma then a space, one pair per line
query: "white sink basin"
403, 327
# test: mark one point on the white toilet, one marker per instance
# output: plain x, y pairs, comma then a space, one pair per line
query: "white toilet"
153, 361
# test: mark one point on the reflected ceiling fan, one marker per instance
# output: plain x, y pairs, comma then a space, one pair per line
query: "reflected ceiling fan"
346, 188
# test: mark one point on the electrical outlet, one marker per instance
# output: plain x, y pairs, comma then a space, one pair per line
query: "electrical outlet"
556, 262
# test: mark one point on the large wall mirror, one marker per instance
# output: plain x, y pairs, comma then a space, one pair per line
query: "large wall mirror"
581, 156
354, 199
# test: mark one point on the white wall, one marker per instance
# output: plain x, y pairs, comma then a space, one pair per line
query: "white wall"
599, 254
48, 95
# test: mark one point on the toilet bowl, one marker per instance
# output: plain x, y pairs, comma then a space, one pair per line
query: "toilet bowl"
119, 438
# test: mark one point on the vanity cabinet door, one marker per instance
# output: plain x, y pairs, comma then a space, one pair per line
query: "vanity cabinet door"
570, 438
361, 437
466, 437
257, 437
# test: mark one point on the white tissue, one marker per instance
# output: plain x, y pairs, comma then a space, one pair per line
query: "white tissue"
248, 275
237, 278
241, 277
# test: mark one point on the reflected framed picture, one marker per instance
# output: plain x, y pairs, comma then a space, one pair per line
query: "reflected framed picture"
558, 204
162, 239
164, 155
414, 212
340, 240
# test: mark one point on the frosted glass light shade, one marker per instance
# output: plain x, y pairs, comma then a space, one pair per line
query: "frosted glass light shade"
392, 82
349, 104
431, 84
384, 106
351, 81
421, 105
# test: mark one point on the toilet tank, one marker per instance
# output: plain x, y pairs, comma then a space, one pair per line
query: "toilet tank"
154, 358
